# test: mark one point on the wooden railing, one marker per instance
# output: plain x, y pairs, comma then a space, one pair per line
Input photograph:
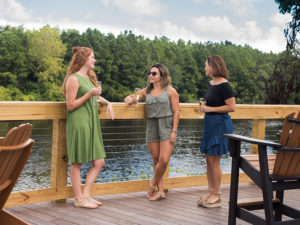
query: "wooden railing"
56, 111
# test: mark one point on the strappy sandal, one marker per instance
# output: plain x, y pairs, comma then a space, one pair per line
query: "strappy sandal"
212, 204
84, 203
150, 193
159, 195
205, 197
89, 198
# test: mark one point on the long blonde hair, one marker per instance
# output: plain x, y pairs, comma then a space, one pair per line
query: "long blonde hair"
78, 60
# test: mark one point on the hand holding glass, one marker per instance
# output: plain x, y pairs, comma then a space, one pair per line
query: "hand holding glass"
137, 95
201, 103
99, 84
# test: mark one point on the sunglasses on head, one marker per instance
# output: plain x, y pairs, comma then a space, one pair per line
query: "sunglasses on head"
152, 73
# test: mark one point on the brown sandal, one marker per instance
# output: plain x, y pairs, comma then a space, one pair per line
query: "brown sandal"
84, 203
159, 195
89, 198
212, 204
151, 192
205, 197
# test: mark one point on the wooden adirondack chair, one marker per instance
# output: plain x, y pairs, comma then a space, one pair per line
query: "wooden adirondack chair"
15, 149
285, 176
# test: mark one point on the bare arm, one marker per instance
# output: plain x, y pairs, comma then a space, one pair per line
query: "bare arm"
72, 86
228, 107
109, 110
131, 99
175, 108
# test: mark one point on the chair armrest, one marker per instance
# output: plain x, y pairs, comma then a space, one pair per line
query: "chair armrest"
287, 149
253, 140
16, 147
293, 120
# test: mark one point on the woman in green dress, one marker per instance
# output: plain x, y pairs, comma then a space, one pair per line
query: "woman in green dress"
84, 138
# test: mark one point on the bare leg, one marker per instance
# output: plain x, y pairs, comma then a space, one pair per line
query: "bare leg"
154, 151
214, 176
92, 176
209, 175
75, 179
165, 151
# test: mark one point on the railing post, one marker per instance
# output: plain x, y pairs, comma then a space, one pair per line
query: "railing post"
59, 163
258, 131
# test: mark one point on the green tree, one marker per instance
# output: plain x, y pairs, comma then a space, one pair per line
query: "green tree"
46, 51
292, 7
283, 86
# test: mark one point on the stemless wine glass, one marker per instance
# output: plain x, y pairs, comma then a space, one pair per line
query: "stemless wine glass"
99, 84
201, 103
137, 95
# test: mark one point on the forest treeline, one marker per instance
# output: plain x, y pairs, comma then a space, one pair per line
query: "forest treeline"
33, 64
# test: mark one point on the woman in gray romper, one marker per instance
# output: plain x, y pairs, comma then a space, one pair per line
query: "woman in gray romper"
162, 109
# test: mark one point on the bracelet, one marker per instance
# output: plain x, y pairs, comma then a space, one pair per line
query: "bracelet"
174, 130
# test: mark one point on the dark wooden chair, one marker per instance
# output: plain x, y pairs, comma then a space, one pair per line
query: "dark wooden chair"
15, 149
285, 176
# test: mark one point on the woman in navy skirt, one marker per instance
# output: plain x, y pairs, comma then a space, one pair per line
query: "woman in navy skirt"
219, 101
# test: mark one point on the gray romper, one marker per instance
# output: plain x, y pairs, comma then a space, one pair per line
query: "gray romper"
159, 117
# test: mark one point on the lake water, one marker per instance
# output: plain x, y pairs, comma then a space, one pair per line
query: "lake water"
127, 153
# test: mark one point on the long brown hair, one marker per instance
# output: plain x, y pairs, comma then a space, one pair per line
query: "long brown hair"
218, 66
164, 74
78, 60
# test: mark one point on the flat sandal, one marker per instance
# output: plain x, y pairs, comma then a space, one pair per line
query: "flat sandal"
84, 203
150, 194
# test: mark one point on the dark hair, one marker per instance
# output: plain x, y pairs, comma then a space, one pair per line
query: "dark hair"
164, 74
218, 66
78, 60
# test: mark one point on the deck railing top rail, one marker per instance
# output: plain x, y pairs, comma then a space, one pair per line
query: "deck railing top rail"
57, 110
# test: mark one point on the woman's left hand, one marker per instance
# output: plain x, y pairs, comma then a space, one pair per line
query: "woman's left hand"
173, 137
110, 110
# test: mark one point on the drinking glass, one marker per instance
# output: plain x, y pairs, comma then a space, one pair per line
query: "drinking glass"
137, 95
99, 84
201, 103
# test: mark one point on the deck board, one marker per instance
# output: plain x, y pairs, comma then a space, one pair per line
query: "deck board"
180, 207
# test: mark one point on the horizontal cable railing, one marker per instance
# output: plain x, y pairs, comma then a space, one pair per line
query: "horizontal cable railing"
128, 162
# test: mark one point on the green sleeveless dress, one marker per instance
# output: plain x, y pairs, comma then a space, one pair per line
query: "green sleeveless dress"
84, 137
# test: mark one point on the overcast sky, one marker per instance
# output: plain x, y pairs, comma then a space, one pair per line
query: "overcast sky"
257, 23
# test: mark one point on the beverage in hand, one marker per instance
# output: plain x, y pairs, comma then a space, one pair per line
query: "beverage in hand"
137, 95
201, 103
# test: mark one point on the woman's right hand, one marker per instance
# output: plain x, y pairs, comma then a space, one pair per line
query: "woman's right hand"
130, 99
96, 91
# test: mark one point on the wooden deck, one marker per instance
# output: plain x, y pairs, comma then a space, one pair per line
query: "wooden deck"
133, 208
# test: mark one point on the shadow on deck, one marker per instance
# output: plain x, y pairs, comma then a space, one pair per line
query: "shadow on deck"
180, 207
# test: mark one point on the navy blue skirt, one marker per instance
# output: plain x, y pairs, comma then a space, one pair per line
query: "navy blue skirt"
213, 141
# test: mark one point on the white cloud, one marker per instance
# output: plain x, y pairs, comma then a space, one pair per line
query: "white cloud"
214, 26
274, 41
199, 29
139, 7
281, 19
238, 7
105, 2
199, 1
221, 29
165, 28
13, 10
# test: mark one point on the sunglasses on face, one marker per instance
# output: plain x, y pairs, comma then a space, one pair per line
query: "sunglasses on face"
152, 73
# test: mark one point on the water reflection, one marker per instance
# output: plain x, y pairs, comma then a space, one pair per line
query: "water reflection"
127, 153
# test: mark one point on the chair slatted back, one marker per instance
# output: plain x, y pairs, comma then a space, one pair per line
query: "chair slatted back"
17, 135
15, 149
288, 163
